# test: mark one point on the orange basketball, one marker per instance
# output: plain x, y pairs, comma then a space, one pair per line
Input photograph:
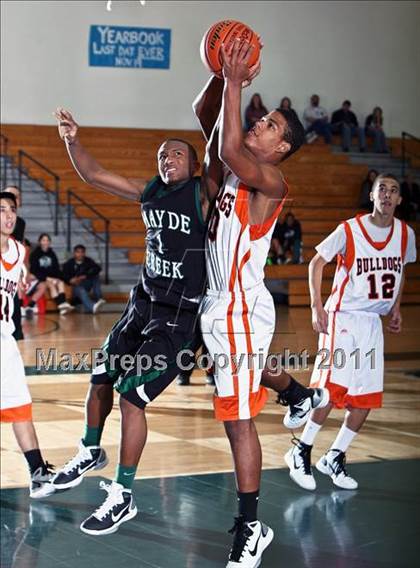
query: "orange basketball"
226, 32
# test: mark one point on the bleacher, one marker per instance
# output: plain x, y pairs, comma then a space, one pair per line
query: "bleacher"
324, 189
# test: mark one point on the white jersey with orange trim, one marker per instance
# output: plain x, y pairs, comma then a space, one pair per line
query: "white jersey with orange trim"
236, 250
237, 312
11, 270
368, 274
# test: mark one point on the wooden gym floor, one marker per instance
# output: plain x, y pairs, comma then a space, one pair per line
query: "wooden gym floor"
185, 489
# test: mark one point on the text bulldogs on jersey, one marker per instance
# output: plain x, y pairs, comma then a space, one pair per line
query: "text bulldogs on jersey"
8, 286
393, 263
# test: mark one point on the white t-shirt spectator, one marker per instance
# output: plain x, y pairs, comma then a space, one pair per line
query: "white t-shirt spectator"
314, 113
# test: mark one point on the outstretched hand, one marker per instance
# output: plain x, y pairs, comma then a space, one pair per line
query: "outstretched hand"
235, 60
67, 126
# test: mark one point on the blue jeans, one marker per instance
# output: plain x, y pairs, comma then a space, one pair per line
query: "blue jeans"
81, 292
379, 140
347, 132
321, 128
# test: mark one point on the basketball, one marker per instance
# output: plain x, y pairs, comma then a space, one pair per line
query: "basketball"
225, 32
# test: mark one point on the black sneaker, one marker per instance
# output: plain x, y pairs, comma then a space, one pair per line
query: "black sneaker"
249, 542
41, 482
298, 414
117, 508
86, 459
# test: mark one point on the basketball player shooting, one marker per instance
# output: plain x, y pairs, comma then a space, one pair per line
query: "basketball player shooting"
238, 314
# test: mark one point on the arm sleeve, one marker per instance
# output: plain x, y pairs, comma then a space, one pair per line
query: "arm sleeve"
67, 271
334, 244
411, 253
93, 269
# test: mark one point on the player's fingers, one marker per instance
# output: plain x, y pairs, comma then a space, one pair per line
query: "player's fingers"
246, 52
261, 44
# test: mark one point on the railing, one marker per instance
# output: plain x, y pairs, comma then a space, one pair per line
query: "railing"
405, 151
4, 149
71, 195
56, 182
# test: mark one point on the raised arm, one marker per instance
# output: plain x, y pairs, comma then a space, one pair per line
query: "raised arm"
319, 315
88, 168
263, 177
207, 105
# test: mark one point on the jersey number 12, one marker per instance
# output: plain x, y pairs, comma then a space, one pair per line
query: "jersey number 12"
388, 285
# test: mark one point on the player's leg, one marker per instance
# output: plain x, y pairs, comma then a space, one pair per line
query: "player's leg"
155, 366
16, 407
123, 339
336, 379
230, 329
364, 393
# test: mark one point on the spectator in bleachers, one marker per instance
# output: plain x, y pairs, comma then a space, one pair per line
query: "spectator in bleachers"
410, 193
43, 265
286, 242
286, 104
374, 129
254, 111
82, 274
316, 121
344, 122
364, 199
19, 235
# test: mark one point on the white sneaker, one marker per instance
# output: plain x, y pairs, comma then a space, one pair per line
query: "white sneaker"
311, 137
298, 460
98, 305
333, 463
65, 308
118, 507
249, 542
41, 485
297, 414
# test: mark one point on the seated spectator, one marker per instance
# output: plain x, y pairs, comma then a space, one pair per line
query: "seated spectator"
82, 274
46, 275
344, 122
374, 129
286, 242
316, 121
254, 111
410, 192
286, 104
364, 199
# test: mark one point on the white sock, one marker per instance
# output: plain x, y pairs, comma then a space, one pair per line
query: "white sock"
344, 439
309, 433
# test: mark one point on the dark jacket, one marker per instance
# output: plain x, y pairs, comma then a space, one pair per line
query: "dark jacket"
342, 117
87, 268
44, 265
19, 231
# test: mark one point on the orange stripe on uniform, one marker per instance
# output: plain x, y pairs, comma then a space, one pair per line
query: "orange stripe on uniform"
404, 240
17, 413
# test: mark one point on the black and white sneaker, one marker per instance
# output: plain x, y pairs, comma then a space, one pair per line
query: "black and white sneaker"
41, 482
117, 508
333, 463
249, 542
86, 459
298, 460
298, 414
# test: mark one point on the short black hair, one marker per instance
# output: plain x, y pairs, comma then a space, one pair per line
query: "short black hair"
76, 247
294, 133
8, 195
387, 176
347, 102
42, 235
191, 149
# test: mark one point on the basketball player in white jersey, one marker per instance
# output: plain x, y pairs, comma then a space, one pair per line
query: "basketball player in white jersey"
372, 250
15, 399
238, 316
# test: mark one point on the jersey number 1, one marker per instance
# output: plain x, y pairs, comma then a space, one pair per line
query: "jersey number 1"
388, 285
